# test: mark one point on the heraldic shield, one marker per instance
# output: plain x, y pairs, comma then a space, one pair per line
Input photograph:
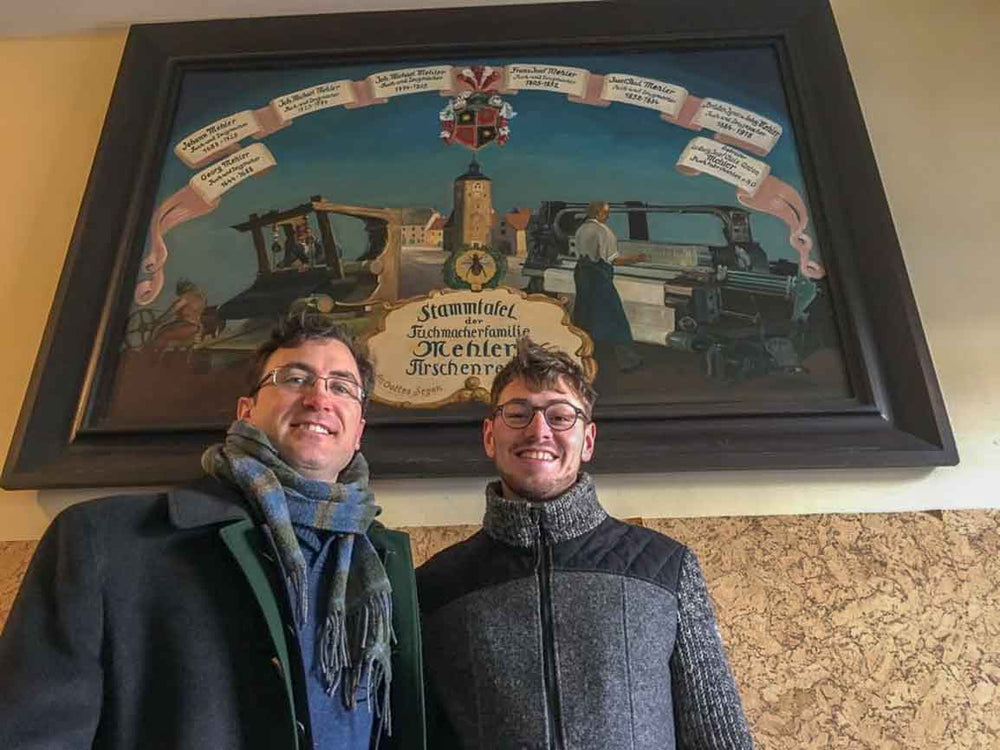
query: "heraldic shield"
478, 117
477, 124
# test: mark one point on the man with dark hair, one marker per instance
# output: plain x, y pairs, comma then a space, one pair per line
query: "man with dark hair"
261, 607
556, 626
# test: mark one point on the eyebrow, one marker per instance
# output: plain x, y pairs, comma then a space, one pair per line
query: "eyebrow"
547, 403
582, 408
346, 374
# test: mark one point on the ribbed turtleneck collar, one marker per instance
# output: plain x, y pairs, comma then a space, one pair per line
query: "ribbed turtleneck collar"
573, 513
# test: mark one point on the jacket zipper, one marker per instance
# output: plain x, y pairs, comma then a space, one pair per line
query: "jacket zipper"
543, 572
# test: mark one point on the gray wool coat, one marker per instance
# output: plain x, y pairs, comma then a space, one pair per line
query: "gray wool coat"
557, 627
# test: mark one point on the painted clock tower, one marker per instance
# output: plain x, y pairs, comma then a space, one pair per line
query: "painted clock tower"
471, 220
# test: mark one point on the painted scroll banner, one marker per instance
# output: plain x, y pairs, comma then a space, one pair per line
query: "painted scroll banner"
649, 93
390, 83
704, 156
378, 88
199, 197
216, 137
223, 136
756, 188
732, 125
738, 126
559, 79
312, 99
447, 346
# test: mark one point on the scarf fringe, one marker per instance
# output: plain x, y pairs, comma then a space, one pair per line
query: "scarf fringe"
375, 623
372, 639
334, 658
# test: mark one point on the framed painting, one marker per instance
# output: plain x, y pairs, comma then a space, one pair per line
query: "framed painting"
680, 194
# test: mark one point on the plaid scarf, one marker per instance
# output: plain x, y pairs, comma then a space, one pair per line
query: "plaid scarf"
355, 640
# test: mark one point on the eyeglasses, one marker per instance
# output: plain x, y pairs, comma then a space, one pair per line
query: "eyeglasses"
297, 380
559, 415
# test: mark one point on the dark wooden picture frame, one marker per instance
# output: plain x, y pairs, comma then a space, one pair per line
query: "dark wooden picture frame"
896, 417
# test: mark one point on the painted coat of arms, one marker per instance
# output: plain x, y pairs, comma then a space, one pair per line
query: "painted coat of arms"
477, 117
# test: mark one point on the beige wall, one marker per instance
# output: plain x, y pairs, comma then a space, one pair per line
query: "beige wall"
55, 93
925, 74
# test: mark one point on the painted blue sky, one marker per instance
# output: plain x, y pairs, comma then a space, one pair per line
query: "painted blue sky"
390, 155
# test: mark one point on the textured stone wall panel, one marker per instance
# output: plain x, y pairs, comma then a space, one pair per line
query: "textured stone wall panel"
876, 631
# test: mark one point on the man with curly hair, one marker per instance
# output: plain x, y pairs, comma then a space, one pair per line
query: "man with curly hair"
557, 626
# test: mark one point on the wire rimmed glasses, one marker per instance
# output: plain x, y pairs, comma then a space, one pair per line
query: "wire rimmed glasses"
298, 380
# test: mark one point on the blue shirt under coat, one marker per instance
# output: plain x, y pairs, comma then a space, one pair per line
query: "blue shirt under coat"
334, 726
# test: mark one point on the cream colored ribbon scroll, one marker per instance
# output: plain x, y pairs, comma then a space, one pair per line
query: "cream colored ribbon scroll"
733, 125
556, 79
223, 136
199, 197
756, 188
378, 88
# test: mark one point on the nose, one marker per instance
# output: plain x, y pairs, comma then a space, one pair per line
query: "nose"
538, 427
317, 396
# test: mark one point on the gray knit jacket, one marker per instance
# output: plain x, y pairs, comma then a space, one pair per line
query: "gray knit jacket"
557, 627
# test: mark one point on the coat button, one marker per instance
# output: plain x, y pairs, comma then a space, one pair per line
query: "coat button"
276, 663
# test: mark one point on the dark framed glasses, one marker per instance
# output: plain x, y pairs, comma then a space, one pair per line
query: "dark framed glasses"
296, 379
558, 415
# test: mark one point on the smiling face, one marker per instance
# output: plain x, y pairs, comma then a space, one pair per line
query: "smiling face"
537, 462
313, 430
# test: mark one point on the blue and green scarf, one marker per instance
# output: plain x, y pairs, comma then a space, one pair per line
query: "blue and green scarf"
356, 638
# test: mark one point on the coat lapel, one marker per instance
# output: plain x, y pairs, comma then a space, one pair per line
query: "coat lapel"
240, 538
209, 502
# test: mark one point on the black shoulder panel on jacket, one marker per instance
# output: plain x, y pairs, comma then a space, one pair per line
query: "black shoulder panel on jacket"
622, 548
474, 564
613, 547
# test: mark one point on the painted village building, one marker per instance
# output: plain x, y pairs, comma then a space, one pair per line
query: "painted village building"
510, 236
414, 225
435, 231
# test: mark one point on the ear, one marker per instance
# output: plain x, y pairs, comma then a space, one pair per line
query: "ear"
589, 438
244, 407
488, 445
361, 431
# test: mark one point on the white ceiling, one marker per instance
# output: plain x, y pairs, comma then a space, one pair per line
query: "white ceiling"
22, 18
